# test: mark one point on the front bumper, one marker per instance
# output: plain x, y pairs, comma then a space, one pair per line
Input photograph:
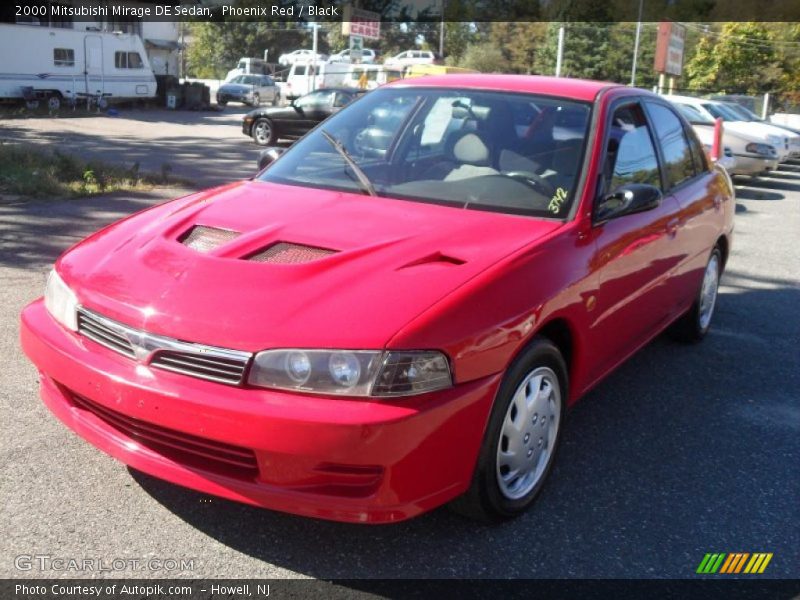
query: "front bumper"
749, 164
350, 460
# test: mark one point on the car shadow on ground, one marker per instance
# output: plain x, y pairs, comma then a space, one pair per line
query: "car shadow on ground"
666, 452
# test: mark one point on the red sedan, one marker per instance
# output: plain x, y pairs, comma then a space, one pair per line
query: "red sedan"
397, 312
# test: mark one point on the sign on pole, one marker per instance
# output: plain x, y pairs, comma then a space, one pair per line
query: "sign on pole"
356, 47
363, 23
669, 48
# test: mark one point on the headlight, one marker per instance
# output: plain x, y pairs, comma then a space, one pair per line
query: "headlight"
762, 149
351, 372
61, 302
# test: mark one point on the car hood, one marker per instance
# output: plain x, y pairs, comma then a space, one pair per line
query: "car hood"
389, 261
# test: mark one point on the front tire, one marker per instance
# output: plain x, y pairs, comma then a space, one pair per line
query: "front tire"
522, 436
694, 325
264, 132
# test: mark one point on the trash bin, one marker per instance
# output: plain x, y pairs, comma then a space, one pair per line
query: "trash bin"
174, 98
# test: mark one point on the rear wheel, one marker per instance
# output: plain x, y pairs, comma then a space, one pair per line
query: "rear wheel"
54, 102
276, 99
256, 100
222, 102
694, 325
522, 436
264, 132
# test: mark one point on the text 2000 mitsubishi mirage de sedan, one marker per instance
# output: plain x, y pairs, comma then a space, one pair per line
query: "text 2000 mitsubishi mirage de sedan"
397, 312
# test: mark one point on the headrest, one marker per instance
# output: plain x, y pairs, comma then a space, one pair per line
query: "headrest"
471, 149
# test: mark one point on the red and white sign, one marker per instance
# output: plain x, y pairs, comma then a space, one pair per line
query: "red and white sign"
669, 48
363, 23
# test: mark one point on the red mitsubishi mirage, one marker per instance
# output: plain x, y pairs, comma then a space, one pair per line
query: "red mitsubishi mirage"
397, 312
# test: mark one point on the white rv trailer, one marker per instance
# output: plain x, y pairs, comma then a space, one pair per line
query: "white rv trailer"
66, 65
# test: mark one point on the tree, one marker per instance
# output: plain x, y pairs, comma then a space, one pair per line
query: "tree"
740, 59
484, 57
519, 42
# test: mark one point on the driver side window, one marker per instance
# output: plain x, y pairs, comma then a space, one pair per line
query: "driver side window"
630, 155
317, 99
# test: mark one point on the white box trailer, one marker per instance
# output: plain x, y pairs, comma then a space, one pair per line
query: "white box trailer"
66, 65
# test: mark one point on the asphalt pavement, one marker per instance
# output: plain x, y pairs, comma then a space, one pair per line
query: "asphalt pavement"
684, 450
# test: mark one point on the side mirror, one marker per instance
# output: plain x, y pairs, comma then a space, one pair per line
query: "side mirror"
268, 156
626, 200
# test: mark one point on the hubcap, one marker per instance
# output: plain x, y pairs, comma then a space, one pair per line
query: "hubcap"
708, 292
53, 103
263, 131
529, 433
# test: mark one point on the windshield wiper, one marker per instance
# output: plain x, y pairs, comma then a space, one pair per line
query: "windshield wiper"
360, 175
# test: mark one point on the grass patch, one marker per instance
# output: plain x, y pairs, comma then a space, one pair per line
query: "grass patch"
30, 171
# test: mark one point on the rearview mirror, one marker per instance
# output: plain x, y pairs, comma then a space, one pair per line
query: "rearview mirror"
268, 156
626, 200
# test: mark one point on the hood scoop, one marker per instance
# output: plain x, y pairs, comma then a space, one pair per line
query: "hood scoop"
286, 253
437, 258
205, 239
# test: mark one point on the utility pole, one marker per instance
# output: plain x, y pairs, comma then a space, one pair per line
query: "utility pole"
314, 27
441, 31
636, 44
560, 52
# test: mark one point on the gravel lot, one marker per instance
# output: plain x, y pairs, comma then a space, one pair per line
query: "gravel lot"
684, 450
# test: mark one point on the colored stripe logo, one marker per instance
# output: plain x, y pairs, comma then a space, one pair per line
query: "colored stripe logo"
733, 563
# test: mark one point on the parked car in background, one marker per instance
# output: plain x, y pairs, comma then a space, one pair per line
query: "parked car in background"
366, 338
249, 89
733, 122
411, 57
742, 154
266, 126
300, 55
368, 56
750, 117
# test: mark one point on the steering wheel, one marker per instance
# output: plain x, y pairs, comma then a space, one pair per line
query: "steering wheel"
535, 181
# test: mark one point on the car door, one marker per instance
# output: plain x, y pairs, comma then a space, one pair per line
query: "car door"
312, 109
699, 193
634, 253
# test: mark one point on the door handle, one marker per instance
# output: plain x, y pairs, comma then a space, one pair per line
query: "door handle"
672, 226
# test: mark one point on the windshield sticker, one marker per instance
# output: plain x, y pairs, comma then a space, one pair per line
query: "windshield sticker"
557, 200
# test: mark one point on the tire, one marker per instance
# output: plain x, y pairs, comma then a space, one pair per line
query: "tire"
263, 132
256, 100
693, 326
54, 102
521, 431
222, 102
276, 99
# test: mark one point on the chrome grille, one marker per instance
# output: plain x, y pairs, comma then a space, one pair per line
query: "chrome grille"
205, 366
196, 360
99, 330
285, 253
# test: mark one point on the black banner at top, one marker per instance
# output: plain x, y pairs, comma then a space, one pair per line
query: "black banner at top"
322, 11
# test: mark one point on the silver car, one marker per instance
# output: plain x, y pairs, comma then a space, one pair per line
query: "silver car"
249, 89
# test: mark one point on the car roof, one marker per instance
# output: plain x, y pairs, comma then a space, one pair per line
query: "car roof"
578, 89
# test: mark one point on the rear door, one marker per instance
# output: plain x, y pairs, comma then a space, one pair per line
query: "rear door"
635, 253
93, 65
699, 194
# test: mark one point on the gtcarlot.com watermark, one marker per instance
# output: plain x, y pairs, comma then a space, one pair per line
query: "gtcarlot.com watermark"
48, 562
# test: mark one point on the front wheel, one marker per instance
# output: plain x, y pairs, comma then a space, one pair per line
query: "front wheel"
522, 436
264, 132
694, 325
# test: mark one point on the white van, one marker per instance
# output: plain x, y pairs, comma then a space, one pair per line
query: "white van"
60, 65
302, 75
249, 66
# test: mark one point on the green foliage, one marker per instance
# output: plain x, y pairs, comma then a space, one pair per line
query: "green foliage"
484, 57
29, 171
740, 59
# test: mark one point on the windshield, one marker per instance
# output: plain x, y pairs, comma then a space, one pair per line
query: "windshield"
744, 113
504, 152
246, 79
694, 115
720, 110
